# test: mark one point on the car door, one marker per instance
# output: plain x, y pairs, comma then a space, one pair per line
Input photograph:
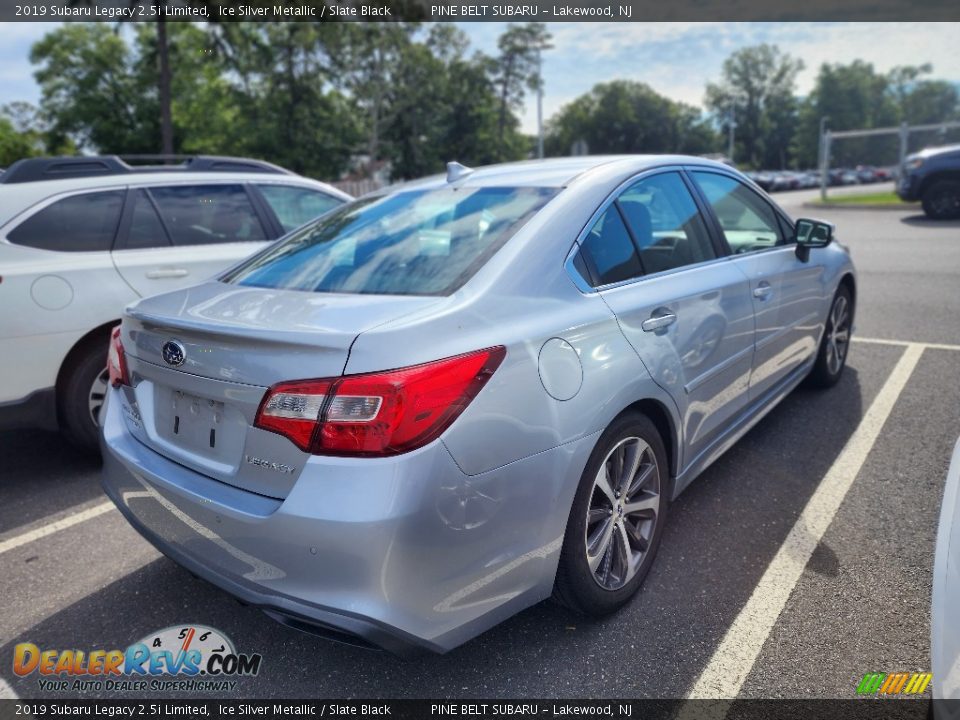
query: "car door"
58, 284
685, 310
177, 235
785, 291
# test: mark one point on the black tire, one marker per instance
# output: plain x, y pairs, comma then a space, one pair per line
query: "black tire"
941, 201
76, 422
826, 372
576, 585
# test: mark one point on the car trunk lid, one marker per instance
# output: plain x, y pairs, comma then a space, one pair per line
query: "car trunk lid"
225, 345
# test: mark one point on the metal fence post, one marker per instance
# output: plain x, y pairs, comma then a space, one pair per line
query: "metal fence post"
904, 139
824, 163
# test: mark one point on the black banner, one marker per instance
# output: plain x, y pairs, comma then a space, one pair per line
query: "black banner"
482, 11
865, 709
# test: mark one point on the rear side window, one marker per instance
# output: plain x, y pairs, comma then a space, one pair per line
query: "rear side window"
207, 214
146, 230
608, 251
296, 206
80, 223
419, 242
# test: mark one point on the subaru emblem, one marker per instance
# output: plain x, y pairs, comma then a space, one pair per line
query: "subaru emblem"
174, 353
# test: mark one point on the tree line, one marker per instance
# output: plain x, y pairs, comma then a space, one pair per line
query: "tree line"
328, 100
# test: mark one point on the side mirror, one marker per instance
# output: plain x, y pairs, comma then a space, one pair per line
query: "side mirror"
810, 234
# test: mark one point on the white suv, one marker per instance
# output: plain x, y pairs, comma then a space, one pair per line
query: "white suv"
80, 238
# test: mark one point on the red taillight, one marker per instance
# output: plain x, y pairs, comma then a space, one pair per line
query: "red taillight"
117, 360
377, 414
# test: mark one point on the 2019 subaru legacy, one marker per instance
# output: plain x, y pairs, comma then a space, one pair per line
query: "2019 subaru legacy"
443, 403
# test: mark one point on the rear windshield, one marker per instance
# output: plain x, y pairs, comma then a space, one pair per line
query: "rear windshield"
420, 242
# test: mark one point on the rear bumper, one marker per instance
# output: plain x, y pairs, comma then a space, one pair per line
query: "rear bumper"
405, 553
36, 410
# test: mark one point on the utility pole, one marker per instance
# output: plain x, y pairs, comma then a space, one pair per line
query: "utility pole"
731, 125
539, 102
540, 41
823, 151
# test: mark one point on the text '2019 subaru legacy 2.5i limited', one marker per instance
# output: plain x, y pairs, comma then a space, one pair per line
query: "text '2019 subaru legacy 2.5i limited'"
441, 404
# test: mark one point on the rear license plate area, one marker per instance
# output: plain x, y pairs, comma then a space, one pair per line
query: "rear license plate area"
191, 422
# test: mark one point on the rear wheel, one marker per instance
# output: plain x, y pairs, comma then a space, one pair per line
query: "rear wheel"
82, 397
832, 356
616, 520
941, 201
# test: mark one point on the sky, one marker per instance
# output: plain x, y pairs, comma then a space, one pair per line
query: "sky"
675, 59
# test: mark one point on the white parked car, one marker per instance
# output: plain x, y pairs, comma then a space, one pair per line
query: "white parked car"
945, 631
82, 237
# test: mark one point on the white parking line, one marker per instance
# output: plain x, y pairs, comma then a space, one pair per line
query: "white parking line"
56, 526
6, 692
724, 675
905, 343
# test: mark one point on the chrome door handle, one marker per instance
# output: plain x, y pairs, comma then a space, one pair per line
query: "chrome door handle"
167, 273
763, 291
658, 322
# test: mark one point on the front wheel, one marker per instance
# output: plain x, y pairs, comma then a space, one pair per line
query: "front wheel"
617, 519
832, 355
941, 201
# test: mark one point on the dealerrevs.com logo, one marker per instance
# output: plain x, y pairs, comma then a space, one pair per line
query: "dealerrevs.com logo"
191, 658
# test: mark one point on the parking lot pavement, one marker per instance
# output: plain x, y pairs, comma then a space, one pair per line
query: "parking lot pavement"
860, 603
909, 269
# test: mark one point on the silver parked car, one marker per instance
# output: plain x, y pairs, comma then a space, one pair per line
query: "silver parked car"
945, 634
441, 404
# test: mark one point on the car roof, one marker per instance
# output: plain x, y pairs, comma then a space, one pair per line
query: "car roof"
552, 172
939, 150
17, 197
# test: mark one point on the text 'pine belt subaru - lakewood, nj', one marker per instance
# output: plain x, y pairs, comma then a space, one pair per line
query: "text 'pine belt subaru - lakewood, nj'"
442, 403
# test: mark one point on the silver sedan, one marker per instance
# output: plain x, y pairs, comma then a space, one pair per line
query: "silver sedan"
448, 401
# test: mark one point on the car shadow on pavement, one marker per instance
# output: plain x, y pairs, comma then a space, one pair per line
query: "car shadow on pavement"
43, 475
924, 221
723, 532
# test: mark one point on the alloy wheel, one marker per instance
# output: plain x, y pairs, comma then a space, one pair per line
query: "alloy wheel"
623, 512
838, 334
97, 394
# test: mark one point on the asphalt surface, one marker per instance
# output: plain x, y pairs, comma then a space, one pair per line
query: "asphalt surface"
861, 603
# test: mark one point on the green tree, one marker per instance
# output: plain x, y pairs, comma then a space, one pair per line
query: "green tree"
853, 96
281, 81
31, 134
93, 89
444, 107
369, 59
624, 116
15, 145
516, 70
756, 91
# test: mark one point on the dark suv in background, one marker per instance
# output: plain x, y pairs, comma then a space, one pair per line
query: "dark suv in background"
932, 176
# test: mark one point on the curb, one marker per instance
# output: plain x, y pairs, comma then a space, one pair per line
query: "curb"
864, 206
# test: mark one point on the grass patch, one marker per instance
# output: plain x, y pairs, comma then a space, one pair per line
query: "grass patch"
880, 198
